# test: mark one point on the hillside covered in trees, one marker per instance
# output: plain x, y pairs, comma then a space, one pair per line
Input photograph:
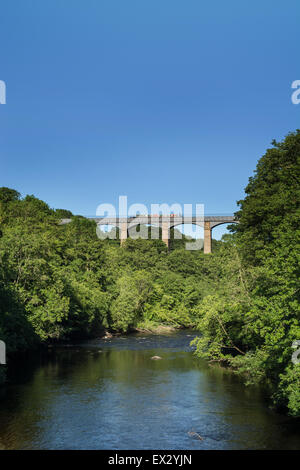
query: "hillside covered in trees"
60, 282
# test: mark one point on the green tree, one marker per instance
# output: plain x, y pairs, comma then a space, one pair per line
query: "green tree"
253, 318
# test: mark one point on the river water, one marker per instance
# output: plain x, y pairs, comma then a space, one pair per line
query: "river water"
110, 394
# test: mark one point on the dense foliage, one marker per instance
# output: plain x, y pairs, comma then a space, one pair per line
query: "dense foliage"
253, 318
60, 282
69, 283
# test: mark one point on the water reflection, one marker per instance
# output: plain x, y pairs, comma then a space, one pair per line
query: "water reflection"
111, 395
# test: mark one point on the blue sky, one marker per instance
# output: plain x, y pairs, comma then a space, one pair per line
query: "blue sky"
162, 101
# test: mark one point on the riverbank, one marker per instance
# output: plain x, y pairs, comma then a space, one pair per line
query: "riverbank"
144, 327
157, 329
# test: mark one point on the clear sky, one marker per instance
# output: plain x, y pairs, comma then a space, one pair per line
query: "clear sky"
160, 100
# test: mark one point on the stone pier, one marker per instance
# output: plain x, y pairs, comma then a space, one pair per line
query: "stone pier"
207, 237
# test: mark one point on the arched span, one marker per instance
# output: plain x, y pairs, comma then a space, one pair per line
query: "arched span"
145, 231
138, 223
213, 225
175, 224
109, 231
187, 235
216, 236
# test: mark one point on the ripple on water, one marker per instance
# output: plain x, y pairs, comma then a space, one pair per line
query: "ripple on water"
111, 395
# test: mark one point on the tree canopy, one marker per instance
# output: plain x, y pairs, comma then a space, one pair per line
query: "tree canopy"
60, 282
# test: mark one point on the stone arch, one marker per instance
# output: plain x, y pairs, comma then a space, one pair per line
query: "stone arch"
145, 233
113, 233
213, 224
217, 224
174, 224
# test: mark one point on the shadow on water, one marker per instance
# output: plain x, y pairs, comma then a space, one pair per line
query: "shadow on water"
110, 394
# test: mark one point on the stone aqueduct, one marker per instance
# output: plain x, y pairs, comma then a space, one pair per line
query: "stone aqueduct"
165, 223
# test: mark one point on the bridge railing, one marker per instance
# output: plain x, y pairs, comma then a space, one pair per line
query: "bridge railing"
158, 215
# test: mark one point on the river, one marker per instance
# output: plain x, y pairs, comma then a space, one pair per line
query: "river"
110, 394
